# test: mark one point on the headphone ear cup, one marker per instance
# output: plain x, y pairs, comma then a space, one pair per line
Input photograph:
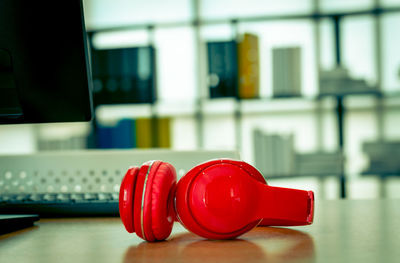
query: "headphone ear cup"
126, 197
153, 207
187, 212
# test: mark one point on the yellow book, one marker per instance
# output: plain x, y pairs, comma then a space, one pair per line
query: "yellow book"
249, 67
164, 132
144, 133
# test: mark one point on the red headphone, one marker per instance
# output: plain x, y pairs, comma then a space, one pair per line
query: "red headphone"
218, 199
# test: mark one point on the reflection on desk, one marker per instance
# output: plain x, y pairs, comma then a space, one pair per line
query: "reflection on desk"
263, 244
343, 231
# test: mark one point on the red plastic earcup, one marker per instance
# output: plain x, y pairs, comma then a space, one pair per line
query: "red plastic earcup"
223, 199
194, 216
126, 195
153, 206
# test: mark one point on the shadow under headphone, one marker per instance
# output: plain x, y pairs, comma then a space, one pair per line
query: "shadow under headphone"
218, 199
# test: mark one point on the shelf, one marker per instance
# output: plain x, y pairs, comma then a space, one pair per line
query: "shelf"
392, 100
344, 93
221, 106
382, 174
228, 106
112, 113
365, 102
175, 109
281, 105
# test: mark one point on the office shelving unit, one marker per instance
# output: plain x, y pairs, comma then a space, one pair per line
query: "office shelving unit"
240, 108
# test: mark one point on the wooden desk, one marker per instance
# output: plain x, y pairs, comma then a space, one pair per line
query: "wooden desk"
344, 231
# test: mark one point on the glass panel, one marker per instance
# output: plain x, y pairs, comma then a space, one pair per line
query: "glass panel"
176, 74
217, 32
328, 6
387, 3
391, 52
106, 13
239, 8
327, 44
358, 47
121, 39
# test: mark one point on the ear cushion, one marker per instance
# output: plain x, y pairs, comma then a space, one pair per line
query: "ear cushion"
137, 202
126, 197
156, 220
163, 183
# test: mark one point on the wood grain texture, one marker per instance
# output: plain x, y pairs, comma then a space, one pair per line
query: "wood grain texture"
343, 231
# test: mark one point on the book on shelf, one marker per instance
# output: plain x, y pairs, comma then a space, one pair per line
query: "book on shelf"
383, 156
380, 148
120, 136
287, 142
258, 149
153, 132
339, 82
274, 154
286, 72
124, 75
145, 79
249, 66
135, 133
222, 69
233, 68
123, 134
384, 164
144, 133
319, 163
319, 156
104, 136
164, 132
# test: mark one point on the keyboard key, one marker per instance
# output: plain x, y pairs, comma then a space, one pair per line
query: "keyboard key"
89, 196
21, 197
35, 197
115, 196
12, 197
76, 197
104, 196
6, 198
49, 197
63, 197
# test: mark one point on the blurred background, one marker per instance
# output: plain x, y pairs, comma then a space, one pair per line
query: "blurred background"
307, 91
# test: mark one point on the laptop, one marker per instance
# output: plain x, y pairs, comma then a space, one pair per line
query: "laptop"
11, 223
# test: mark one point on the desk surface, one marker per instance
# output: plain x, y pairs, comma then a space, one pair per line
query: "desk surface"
343, 231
